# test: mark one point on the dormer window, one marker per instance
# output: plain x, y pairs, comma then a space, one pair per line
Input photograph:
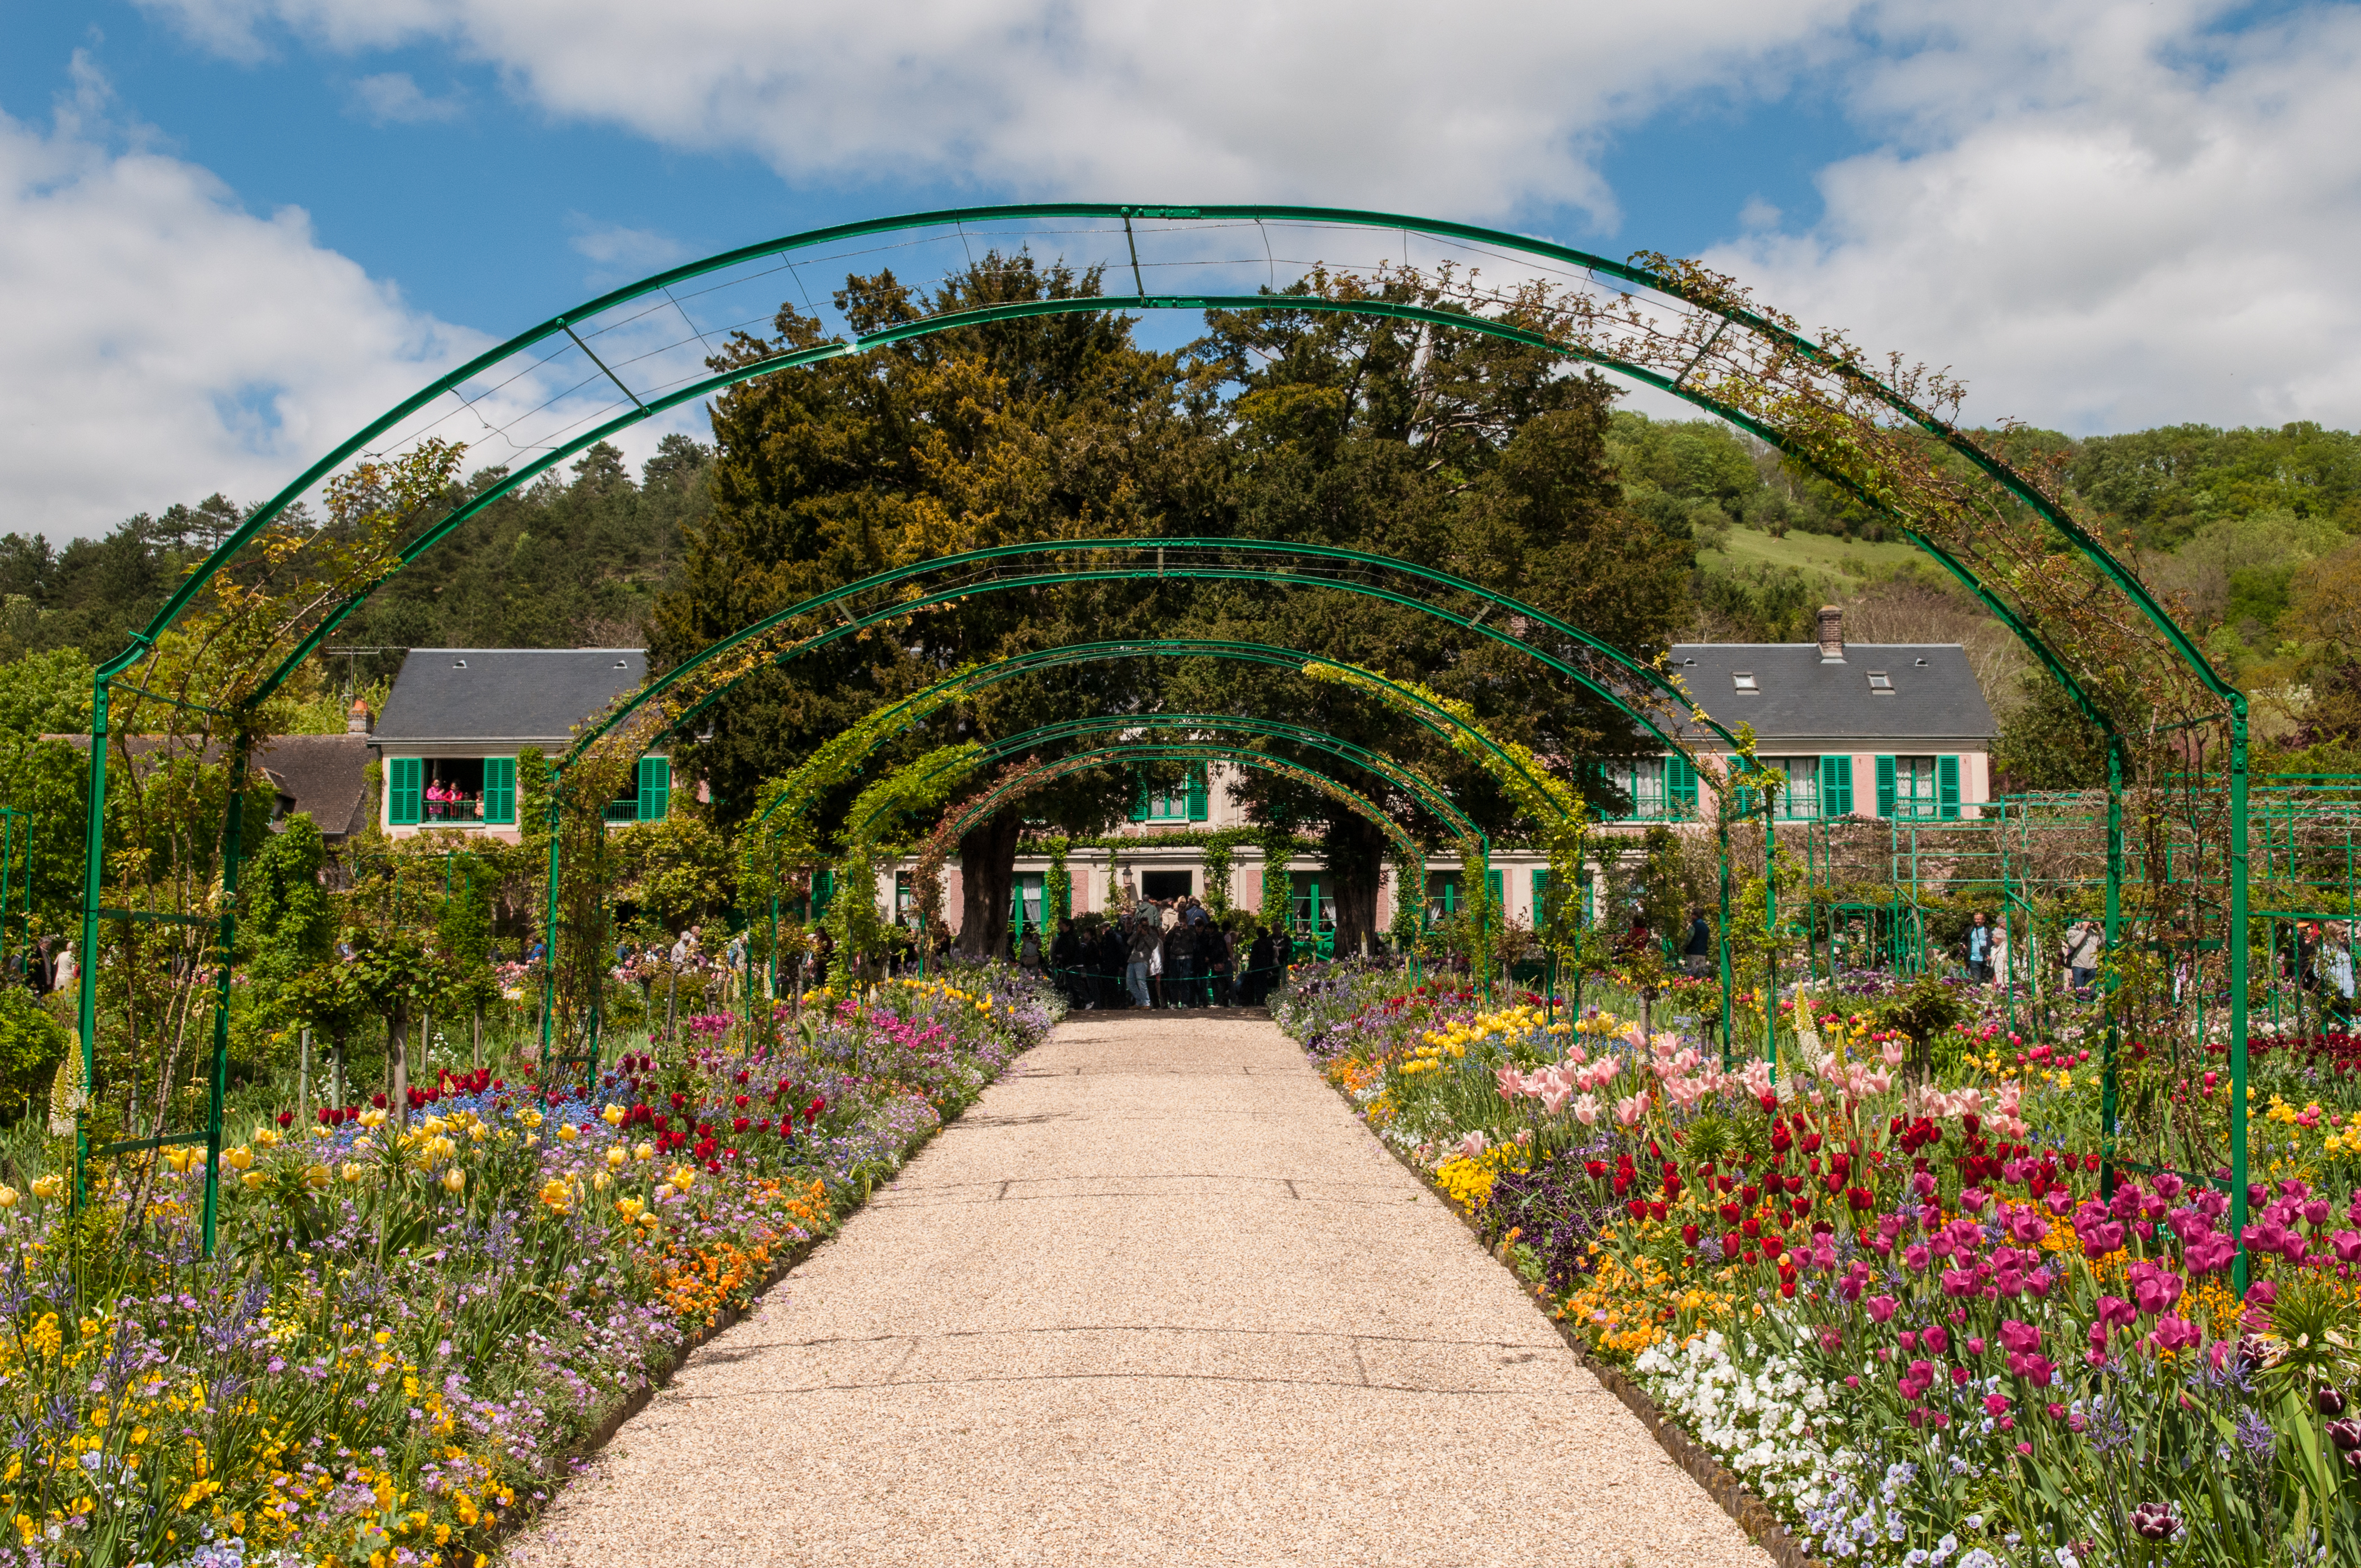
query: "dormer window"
1744, 680
458, 664
1881, 684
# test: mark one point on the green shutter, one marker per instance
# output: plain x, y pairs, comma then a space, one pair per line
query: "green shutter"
1836, 786
823, 889
500, 789
1886, 786
1197, 793
1680, 787
655, 788
404, 791
1140, 797
1947, 788
1540, 897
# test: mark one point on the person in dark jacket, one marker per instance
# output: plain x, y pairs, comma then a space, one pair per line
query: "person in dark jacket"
1698, 955
1066, 964
1180, 965
1113, 954
1260, 959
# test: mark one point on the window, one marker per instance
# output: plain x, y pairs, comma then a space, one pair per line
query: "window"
1881, 684
1184, 802
1644, 782
1313, 908
1026, 901
650, 798
450, 792
1836, 786
1744, 680
1798, 783
1167, 884
1918, 789
1446, 894
1547, 897
905, 900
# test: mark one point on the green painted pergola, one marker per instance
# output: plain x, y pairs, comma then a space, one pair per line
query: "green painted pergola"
1715, 351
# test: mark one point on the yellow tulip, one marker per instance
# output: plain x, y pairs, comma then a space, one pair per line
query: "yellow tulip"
317, 1177
682, 1177
253, 1180
553, 1195
454, 1181
630, 1208
7, 1197
616, 1157
373, 1118
569, 1133
529, 1117
612, 1115
644, 1152
48, 1187
599, 1182
238, 1159
353, 1170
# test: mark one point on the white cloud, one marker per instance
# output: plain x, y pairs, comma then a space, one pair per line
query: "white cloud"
2099, 211
394, 98
624, 250
1226, 100
2103, 220
165, 344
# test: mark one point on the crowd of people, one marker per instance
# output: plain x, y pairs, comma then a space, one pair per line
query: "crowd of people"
1161, 953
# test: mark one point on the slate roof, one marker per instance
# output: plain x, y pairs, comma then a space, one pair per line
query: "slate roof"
508, 696
326, 775
1934, 695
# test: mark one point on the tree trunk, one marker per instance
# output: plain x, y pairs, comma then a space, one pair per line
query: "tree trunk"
397, 1058
1354, 854
987, 876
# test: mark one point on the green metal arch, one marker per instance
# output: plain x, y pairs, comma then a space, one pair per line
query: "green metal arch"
852, 625
956, 822
1441, 720
1840, 365
1419, 788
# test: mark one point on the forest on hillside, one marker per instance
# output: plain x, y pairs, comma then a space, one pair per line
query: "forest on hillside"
2254, 535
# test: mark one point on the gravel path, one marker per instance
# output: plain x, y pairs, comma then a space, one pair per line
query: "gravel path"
1157, 1299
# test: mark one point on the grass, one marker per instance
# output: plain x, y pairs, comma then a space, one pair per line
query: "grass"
1815, 555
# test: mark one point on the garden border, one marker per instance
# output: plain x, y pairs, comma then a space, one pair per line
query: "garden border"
603, 1431
1752, 1515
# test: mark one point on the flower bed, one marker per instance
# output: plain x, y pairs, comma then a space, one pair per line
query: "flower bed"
1908, 1318
407, 1328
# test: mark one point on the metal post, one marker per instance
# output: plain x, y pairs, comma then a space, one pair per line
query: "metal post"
2238, 873
92, 889
1771, 939
1728, 977
2110, 1038
549, 936
233, 825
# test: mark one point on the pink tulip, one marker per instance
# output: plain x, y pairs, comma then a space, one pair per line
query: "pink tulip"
2347, 1246
1995, 1404
1511, 1081
2154, 1289
2114, 1312
2175, 1333
2027, 1227
2021, 1338
1917, 1258
1936, 1339
1631, 1109
2209, 1253
1881, 1308
1585, 1110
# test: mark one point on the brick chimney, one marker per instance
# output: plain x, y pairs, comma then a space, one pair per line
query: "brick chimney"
1831, 634
356, 722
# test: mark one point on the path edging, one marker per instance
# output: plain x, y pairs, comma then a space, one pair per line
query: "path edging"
566, 1466
1752, 1515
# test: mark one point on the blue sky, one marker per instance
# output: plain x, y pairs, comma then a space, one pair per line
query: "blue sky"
250, 222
